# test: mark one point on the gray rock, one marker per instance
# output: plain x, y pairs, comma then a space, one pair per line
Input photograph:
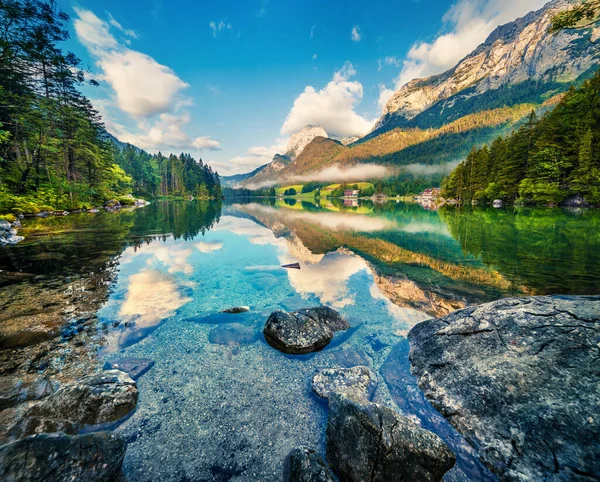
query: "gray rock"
306, 465
134, 367
236, 310
520, 379
100, 398
5, 227
303, 331
369, 442
13, 390
356, 382
61, 457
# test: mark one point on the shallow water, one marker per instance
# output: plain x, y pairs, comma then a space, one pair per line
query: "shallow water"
220, 403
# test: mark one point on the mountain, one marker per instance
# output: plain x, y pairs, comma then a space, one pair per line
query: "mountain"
303, 138
235, 179
519, 68
519, 62
295, 147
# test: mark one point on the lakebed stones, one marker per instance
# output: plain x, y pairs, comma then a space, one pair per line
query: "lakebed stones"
134, 367
303, 331
357, 382
100, 398
520, 379
232, 334
306, 465
369, 442
85, 458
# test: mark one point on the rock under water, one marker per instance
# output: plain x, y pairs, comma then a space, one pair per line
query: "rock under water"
303, 331
520, 379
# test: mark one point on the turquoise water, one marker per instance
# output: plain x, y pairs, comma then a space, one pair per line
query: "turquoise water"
220, 403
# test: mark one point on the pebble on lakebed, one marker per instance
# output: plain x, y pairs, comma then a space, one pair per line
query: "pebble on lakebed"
303, 331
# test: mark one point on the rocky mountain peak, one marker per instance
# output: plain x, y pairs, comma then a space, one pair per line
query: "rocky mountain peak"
303, 138
514, 53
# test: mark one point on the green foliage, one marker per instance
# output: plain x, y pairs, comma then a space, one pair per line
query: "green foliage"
580, 16
290, 192
543, 162
54, 151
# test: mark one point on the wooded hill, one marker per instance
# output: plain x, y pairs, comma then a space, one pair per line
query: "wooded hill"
545, 161
54, 150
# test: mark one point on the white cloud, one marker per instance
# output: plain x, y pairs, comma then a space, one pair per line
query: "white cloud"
117, 25
331, 107
255, 157
209, 246
355, 35
206, 143
219, 27
143, 87
148, 92
467, 24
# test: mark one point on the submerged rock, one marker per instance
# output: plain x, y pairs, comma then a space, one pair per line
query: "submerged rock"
306, 465
134, 367
303, 331
369, 442
232, 334
520, 379
100, 398
85, 458
352, 357
356, 382
236, 310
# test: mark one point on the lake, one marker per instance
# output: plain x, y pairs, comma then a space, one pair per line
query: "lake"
220, 403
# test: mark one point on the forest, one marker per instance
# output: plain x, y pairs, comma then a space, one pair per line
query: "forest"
54, 150
545, 161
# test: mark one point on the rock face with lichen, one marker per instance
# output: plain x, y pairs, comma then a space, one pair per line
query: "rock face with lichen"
303, 331
520, 379
369, 442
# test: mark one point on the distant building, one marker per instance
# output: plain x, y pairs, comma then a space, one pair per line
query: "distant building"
432, 193
353, 193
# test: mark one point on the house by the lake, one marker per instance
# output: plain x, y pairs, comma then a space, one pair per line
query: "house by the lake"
353, 193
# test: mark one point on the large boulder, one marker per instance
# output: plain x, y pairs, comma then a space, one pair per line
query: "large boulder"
303, 331
14, 390
520, 379
85, 458
369, 442
103, 397
306, 465
356, 382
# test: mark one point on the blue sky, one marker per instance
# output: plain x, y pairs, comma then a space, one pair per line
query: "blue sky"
229, 81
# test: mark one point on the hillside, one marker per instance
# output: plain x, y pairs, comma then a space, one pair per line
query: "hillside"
545, 162
434, 121
520, 62
402, 147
